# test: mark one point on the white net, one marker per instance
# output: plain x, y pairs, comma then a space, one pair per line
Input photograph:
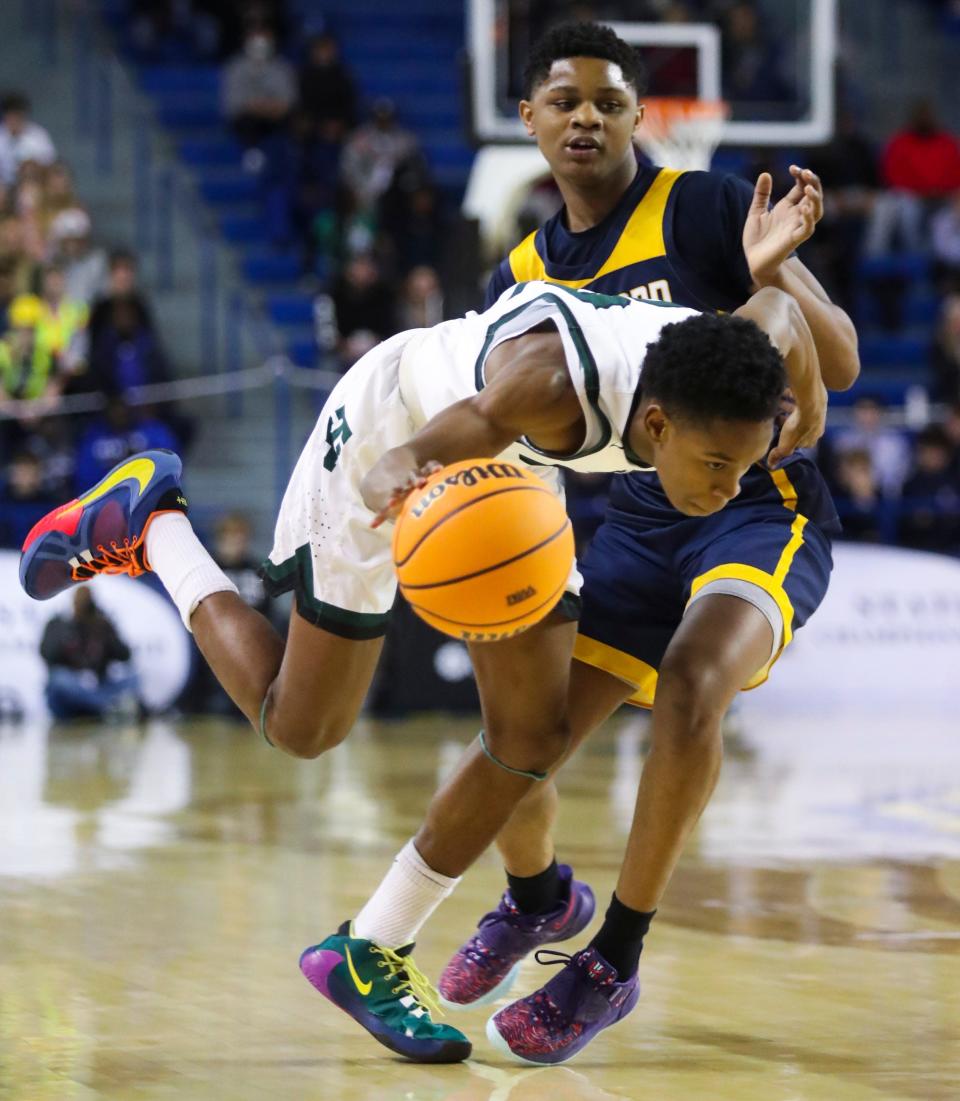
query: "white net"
681, 133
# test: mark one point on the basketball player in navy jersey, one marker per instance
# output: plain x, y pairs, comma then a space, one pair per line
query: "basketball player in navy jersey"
679, 614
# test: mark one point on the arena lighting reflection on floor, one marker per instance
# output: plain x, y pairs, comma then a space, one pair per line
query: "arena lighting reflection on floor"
843, 788
158, 884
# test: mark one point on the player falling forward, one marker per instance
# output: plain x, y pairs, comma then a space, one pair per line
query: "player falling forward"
582, 380
678, 615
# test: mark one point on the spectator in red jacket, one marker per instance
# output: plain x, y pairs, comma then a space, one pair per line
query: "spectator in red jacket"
921, 166
923, 158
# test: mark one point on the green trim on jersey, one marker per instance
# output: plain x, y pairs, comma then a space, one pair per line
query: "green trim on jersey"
588, 365
600, 301
296, 574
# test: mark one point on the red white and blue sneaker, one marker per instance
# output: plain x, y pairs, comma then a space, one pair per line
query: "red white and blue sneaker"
552, 1024
384, 991
102, 531
485, 968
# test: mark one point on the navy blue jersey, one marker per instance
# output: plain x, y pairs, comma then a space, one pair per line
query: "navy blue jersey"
674, 236
677, 237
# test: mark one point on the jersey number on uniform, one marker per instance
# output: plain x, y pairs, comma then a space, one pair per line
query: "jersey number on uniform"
657, 291
337, 435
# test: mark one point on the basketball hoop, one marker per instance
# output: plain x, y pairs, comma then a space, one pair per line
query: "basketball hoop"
679, 132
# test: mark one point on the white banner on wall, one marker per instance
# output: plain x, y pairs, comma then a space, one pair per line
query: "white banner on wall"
147, 622
886, 638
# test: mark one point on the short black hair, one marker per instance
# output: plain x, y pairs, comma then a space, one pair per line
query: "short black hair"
934, 436
582, 40
14, 101
714, 366
122, 256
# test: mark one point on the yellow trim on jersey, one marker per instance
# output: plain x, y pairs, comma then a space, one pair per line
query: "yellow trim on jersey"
643, 677
525, 262
625, 667
790, 550
771, 583
785, 487
641, 239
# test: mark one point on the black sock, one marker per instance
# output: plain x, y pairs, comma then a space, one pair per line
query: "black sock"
535, 894
620, 939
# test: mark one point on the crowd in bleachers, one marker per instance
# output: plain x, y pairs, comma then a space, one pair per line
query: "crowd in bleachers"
73, 323
344, 186
888, 249
895, 487
340, 183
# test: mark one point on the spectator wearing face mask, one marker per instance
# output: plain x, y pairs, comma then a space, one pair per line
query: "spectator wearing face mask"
259, 88
21, 139
84, 266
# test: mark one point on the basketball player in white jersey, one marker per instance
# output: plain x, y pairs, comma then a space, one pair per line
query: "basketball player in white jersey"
546, 376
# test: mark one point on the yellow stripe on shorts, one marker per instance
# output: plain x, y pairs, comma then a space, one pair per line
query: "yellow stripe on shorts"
638, 674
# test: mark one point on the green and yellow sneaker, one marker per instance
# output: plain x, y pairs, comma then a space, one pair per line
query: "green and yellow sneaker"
383, 990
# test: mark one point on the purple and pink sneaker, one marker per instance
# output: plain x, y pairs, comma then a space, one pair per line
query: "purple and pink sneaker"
486, 966
555, 1022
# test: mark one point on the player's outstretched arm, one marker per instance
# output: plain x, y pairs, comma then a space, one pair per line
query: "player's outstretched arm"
528, 393
769, 238
781, 318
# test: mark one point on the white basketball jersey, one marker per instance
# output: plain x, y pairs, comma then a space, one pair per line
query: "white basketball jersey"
605, 340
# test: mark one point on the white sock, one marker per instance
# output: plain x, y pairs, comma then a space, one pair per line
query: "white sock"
407, 896
182, 563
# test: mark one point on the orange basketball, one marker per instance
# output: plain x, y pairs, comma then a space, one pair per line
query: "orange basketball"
483, 551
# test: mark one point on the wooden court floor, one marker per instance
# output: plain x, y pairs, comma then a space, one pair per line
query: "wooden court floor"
157, 885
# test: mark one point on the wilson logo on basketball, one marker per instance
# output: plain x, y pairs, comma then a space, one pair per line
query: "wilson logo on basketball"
484, 550
469, 476
520, 596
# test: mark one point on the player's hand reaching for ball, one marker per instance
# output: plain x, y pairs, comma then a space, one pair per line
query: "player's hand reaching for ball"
391, 480
771, 234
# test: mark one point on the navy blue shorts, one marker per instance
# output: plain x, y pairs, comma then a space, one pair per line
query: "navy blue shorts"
647, 561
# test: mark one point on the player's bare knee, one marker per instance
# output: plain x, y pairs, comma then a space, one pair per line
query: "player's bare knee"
696, 692
536, 749
308, 741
